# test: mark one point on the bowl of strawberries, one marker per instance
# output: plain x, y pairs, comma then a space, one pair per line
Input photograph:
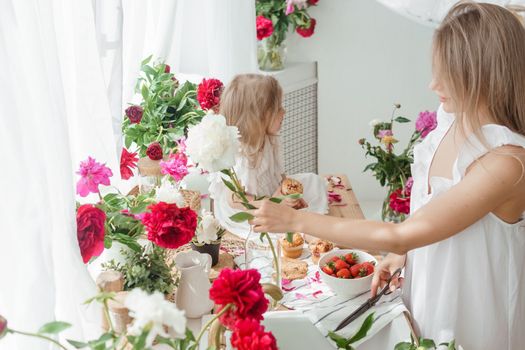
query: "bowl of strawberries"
348, 272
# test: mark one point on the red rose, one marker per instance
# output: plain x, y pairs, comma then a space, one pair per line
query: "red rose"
313, 2
264, 27
154, 151
167, 68
242, 289
90, 231
209, 93
3, 327
307, 32
128, 161
400, 202
134, 113
169, 226
250, 335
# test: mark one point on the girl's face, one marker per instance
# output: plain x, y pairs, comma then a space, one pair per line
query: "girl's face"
443, 93
277, 122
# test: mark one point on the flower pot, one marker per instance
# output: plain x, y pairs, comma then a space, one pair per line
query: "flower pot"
271, 53
212, 249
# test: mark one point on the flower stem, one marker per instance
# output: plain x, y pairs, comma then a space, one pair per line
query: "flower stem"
108, 318
208, 324
275, 259
36, 335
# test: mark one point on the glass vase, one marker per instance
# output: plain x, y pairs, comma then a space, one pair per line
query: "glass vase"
387, 213
262, 252
271, 53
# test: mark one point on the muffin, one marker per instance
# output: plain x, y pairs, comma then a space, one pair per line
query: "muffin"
291, 186
292, 249
318, 247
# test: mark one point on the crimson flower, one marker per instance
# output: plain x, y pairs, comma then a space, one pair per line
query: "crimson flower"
167, 68
307, 32
242, 289
90, 231
400, 201
169, 226
128, 161
154, 151
313, 2
248, 334
92, 174
134, 113
264, 27
209, 93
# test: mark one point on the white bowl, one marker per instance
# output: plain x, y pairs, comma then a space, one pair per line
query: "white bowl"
342, 286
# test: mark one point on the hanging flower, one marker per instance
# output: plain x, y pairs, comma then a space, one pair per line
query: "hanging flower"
208, 228
426, 122
399, 202
3, 327
248, 334
90, 231
134, 113
154, 151
264, 27
92, 174
169, 226
209, 93
169, 194
128, 161
213, 144
176, 166
307, 31
242, 289
154, 314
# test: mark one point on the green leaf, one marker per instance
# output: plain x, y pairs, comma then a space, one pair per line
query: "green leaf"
276, 200
145, 92
230, 186
403, 346
341, 342
226, 172
241, 217
146, 60
289, 237
427, 343
54, 327
365, 327
402, 120
77, 344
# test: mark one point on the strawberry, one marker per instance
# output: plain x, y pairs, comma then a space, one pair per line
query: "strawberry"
369, 266
340, 264
343, 273
328, 270
335, 258
358, 270
351, 258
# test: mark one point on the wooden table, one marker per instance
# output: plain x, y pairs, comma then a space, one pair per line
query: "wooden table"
352, 209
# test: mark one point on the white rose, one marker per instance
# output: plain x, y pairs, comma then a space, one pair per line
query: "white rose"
208, 227
169, 194
154, 311
374, 122
212, 143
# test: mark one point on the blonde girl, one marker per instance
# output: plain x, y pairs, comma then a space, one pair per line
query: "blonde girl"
253, 103
463, 248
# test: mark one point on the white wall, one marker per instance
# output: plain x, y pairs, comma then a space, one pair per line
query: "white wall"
369, 58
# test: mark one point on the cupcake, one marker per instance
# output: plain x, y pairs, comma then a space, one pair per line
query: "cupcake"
291, 186
318, 247
292, 249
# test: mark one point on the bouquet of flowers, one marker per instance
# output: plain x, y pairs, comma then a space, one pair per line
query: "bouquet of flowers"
274, 17
393, 170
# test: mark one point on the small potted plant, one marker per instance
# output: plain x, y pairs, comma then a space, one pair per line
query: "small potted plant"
208, 236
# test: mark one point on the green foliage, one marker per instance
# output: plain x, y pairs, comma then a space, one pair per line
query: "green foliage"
423, 344
54, 327
169, 109
146, 269
344, 343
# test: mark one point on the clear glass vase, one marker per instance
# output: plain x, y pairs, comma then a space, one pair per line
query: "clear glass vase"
262, 252
271, 53
388, 214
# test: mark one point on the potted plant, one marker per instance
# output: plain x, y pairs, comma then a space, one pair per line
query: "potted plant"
208, 236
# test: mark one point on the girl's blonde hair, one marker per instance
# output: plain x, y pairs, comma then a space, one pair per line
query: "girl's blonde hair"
479, 54
250, 102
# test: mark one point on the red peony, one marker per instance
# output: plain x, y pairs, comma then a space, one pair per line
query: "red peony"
400, 201
169, 226
242, 289
90, 231
167, 68
154, 151
313, 2
134, 113
209, 93
128, 161
307, 32
248, 334
264, 27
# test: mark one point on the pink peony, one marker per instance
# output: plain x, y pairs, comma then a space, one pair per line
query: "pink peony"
301, 4
383, 133
264, 27
92, 174
426, 122
176, 166
248, 334
181, 145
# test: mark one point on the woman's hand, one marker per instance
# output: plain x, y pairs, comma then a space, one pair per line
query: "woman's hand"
385, 269
298, 203
273, 217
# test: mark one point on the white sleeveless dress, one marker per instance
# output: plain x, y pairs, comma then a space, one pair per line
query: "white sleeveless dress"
471, 286
263, 180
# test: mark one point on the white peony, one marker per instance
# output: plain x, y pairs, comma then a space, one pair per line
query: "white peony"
213, 144
153, 311
374, 122
208, 227
169, 194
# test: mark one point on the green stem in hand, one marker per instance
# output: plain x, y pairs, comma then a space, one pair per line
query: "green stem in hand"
208, 324
36, 335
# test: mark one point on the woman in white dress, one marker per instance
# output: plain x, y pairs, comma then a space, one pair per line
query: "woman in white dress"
463, 247
253, 103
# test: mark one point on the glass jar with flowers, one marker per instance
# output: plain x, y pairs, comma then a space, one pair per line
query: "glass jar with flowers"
393, 170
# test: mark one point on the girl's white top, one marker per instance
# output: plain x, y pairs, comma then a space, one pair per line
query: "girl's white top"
471, 286
264, 179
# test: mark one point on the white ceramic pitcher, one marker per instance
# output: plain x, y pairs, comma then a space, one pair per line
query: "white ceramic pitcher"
194, 284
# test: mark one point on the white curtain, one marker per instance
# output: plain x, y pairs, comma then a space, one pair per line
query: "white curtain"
432, 12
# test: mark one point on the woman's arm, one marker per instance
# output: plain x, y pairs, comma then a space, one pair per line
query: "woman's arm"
490, 182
